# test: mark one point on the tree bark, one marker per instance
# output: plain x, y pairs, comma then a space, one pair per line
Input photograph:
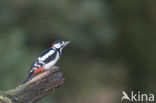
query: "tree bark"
35, 89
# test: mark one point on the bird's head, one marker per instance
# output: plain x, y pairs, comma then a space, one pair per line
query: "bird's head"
59, 44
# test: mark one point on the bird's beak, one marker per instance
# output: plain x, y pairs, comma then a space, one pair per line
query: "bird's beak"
66, 43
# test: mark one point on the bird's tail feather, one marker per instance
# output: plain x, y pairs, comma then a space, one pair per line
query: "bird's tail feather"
28, 77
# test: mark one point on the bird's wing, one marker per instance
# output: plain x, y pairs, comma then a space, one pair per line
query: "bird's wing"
47, 55
51, 57
45, 51
39, 62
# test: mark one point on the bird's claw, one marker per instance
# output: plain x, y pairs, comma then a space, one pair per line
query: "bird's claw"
54, 67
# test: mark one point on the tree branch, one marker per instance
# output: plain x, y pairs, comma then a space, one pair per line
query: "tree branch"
35, 89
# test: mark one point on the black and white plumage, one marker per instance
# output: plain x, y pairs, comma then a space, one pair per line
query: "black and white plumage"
47, 58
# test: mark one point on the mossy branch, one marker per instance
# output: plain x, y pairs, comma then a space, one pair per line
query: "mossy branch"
35, 89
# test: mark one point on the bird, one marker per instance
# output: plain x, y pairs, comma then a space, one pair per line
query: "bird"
47, 59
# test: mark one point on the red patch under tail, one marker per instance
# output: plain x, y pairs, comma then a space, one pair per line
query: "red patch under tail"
38, 70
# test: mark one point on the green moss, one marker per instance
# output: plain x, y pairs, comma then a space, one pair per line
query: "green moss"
4, 99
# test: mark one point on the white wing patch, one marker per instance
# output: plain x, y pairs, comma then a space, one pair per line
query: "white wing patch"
46, 56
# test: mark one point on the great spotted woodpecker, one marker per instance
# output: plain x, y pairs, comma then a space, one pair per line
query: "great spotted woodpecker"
47, 58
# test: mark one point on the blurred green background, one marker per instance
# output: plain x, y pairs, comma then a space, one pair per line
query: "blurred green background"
113, 46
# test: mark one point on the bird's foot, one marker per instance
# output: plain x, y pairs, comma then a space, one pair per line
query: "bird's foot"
54, 67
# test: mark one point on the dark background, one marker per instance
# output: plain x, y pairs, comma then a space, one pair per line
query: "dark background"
113, 46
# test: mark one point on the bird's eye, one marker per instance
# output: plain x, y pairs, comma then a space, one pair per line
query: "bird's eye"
52, 44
